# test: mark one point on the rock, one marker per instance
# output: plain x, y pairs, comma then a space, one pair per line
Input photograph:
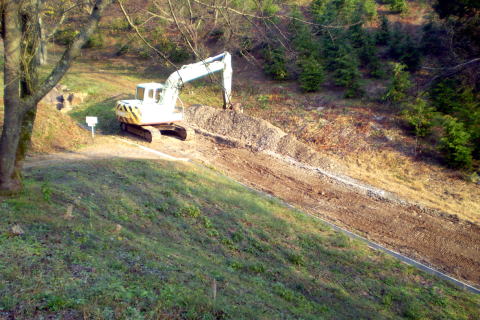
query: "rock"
52, 97
76, 98
62, 99
68, 214
237, 107
320, 108
323, 122
16, 230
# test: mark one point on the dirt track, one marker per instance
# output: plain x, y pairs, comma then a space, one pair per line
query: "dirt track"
443, 241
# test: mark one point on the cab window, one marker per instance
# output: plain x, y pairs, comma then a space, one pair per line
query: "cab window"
140, 93
158, 94
150, 93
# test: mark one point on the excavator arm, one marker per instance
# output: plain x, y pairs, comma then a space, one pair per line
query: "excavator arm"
187, 73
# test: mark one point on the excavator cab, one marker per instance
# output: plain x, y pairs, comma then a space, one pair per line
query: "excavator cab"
149, 92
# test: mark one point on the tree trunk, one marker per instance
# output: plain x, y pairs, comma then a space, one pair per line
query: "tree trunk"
12, 35
9, 168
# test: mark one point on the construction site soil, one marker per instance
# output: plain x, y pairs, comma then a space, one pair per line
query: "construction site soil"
263, 157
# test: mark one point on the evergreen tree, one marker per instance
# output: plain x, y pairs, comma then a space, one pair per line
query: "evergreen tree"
376, 68
302, 38
346, 72
275, 63
419, 115
342, 12
396, 45
311, 75
400, 84
434, 39
329, 51
357, 35
411, 56
455, 143
368, 55
383, 33
455, 98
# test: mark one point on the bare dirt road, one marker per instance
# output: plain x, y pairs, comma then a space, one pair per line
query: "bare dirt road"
442, 241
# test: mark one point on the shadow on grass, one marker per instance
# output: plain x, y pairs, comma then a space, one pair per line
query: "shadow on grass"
104, 110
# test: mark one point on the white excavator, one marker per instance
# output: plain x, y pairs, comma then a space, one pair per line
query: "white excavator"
155, 109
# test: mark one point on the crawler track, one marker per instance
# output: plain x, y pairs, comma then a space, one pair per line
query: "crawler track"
153, 133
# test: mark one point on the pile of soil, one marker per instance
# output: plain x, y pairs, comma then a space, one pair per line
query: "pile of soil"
254, 133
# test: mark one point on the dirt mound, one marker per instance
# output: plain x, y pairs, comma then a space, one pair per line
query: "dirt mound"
251, 132
54, 131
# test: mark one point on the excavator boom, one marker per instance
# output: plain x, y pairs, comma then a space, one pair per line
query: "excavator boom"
190, 72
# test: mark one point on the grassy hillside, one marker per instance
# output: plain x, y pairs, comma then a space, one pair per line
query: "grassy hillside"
120, 239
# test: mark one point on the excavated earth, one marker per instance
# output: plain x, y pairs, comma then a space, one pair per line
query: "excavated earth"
264, 157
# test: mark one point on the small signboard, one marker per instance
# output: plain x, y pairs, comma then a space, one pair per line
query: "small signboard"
91, 122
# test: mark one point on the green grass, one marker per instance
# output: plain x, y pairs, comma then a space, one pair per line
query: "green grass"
183, 227
101, 99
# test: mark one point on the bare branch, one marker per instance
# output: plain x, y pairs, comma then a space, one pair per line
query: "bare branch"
71, 53
142, 38
449, 71
227, 8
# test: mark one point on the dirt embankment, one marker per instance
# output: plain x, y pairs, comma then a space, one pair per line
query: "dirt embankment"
257, 134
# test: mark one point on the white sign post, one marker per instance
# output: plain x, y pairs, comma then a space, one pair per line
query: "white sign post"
91, 122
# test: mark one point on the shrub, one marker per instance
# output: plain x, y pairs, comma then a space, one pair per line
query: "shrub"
65, 36
122, 49
275, 63
419, 115
398, 6
178, 54
119, 25
175, 53
95, 41
455, 143
311, 75
400, 84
